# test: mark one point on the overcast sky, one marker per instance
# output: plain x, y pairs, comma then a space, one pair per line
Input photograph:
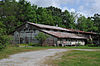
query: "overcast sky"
85, 7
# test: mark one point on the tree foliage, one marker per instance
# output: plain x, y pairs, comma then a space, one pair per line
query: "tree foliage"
14, 14
86, 24
3, 36
96, 20
41, 37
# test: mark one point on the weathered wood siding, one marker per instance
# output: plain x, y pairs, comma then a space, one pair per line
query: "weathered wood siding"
26, 35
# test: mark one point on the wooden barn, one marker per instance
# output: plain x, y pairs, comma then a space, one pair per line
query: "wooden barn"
58, 36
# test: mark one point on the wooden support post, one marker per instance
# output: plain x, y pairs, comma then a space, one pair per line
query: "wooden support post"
31, 36
25, 38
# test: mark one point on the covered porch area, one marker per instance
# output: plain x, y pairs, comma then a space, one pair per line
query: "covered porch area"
71, 42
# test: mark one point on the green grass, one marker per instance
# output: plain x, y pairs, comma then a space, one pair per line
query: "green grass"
81, 58
77, 58
73, 47
82, 47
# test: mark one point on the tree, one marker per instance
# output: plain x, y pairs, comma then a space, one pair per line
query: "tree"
41, 37
44, 16
68, 19
10, 22
55, 13
86, 24
3, 37
96, 20
9, 8
22, 13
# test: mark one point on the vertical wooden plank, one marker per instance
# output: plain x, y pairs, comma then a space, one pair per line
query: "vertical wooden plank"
19, 37
24, 37
31, 36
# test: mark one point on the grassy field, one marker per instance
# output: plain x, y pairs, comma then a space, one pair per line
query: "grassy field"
80, 47
13, 50
76, 58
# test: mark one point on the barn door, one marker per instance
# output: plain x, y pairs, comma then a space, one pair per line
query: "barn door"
50, 42
26, 40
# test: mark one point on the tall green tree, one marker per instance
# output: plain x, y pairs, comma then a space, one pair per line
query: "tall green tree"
10, 23
68, 19
44, 16
55, 11
3, 36
96, 20
86, 24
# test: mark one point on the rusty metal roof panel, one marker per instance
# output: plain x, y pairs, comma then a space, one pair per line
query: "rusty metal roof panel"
64, 35
59, 28
73, 30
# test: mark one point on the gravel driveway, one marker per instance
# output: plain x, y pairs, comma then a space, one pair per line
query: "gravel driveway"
32, 58
29, 58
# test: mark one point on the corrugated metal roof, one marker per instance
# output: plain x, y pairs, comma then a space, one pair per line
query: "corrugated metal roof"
63, 34
49, 27
73, 30
59, 28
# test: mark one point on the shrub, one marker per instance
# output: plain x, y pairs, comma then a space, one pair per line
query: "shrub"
92, 45
1, 46
41, 37
4, 41
34, 44
22, 45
